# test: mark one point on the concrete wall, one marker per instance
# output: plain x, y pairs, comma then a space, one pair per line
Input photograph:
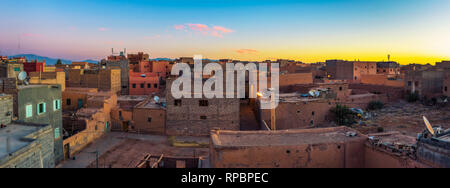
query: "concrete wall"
6, 109
43, 93
38, 154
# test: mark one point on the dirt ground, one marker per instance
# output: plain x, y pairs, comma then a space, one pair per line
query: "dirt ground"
132, 151
407, 118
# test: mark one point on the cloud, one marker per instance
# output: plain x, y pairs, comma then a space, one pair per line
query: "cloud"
179, 27
247, 51
222, 29
215, 31
103, 29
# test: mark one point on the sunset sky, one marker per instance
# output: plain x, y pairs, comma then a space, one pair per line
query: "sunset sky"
412, 31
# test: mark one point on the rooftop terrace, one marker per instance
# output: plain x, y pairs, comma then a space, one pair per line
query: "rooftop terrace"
283, 138
17, 134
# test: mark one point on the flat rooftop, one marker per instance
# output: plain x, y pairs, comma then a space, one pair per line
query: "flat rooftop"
36, 86
295, 97
132, 98
283, 138
17, 134
151, 104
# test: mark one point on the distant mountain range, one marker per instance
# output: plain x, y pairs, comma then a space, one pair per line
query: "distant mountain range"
48, 60
52, 61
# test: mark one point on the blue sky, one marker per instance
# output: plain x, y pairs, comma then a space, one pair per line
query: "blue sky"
307, 30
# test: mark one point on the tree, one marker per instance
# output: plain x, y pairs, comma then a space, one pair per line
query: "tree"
376, 105
344, 116
59, 62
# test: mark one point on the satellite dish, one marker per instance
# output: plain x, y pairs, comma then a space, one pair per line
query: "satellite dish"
156, 98
22, 76
317, 93
428, 125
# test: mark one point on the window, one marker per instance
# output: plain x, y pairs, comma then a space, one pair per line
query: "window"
445, 89
120, 113
56, 105
409, 83
313, 113
28, 111
149, 85
68, 102
340, 88
203, 103
142, 85
177, 102
156, 85
203, 117
134, 85
41, 108
57, 133
149, 120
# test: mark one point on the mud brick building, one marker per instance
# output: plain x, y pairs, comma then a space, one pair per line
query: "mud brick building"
34, 66
382, 79
10, 70
443, 65
77, 98
149, 117
88, 123
309, 148
196, 117
426, 83
26, 145
295, 79
51, 78
338, 147
391, 68
446, 85
103, 79
349, 70
123, 65
144, 83
295, 112
122, 115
